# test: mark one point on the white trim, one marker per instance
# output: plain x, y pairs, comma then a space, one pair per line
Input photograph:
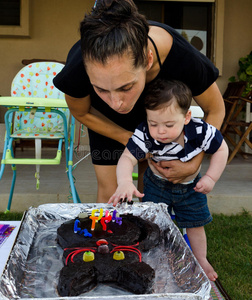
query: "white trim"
23, 29
219, 34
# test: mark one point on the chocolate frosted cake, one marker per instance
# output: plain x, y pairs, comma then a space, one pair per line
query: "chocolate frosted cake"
106, 249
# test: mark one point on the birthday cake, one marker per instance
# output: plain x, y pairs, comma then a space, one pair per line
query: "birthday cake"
106, 248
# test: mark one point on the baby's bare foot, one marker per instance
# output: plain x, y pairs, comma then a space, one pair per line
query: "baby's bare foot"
208, 269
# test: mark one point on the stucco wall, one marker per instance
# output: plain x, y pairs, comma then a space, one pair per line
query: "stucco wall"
237, 37
53, 30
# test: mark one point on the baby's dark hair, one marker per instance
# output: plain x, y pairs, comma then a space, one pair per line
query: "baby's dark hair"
114, 27
161, 93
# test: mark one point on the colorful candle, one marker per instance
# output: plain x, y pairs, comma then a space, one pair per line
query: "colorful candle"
116, 218
76, 226
105, 220
100, 215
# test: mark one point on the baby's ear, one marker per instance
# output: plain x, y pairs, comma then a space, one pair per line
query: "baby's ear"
188, 116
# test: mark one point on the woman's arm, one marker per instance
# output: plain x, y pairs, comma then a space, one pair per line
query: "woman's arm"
212, 104
81, 109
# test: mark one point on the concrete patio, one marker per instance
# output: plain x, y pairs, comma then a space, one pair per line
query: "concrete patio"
231, 195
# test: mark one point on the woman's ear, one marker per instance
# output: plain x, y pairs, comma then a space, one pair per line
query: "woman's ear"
188, 116
149, 60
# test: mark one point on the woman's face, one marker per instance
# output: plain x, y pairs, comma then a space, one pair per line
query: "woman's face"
118, 82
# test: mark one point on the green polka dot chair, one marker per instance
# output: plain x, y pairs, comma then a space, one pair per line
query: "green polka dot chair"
37, 111
35, 80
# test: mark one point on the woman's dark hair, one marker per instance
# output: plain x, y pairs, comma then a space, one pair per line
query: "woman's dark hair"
114, 27
161, 93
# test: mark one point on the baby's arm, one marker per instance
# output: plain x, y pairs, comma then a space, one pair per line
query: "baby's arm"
124, 170
217, 165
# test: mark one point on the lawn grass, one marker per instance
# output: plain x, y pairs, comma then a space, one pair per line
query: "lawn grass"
229, 251
10, 216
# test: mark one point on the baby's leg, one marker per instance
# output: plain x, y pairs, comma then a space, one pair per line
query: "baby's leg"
197, 238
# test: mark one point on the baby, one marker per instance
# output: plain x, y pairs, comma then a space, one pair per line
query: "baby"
171, 133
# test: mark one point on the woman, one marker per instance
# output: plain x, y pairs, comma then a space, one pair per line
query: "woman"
105, 77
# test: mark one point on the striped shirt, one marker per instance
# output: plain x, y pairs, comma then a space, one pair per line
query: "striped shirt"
198, 136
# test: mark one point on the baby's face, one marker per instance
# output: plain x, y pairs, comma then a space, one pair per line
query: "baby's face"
166, 124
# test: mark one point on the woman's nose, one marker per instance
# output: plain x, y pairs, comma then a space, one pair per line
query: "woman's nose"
116, 102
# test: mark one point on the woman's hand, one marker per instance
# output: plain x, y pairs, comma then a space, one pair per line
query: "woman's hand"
174, 170
177, 171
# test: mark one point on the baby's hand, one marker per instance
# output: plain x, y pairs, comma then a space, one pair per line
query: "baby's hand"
124, 190
204, 185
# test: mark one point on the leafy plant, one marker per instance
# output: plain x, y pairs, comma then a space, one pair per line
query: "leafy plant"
244, 73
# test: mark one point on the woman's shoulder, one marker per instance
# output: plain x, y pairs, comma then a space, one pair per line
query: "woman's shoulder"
160, 42
162, 38
180, 46
185, 63
174, 50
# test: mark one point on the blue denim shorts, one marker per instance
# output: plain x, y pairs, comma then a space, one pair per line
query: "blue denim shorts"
190, 207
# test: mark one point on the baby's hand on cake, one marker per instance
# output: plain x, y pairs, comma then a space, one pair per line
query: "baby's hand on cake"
124, 190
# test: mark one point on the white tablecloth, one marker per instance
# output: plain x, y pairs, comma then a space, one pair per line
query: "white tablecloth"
6, 247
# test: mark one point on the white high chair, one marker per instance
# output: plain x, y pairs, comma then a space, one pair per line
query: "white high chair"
37, 110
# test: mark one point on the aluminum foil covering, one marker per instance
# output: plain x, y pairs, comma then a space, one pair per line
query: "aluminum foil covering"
36, 259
